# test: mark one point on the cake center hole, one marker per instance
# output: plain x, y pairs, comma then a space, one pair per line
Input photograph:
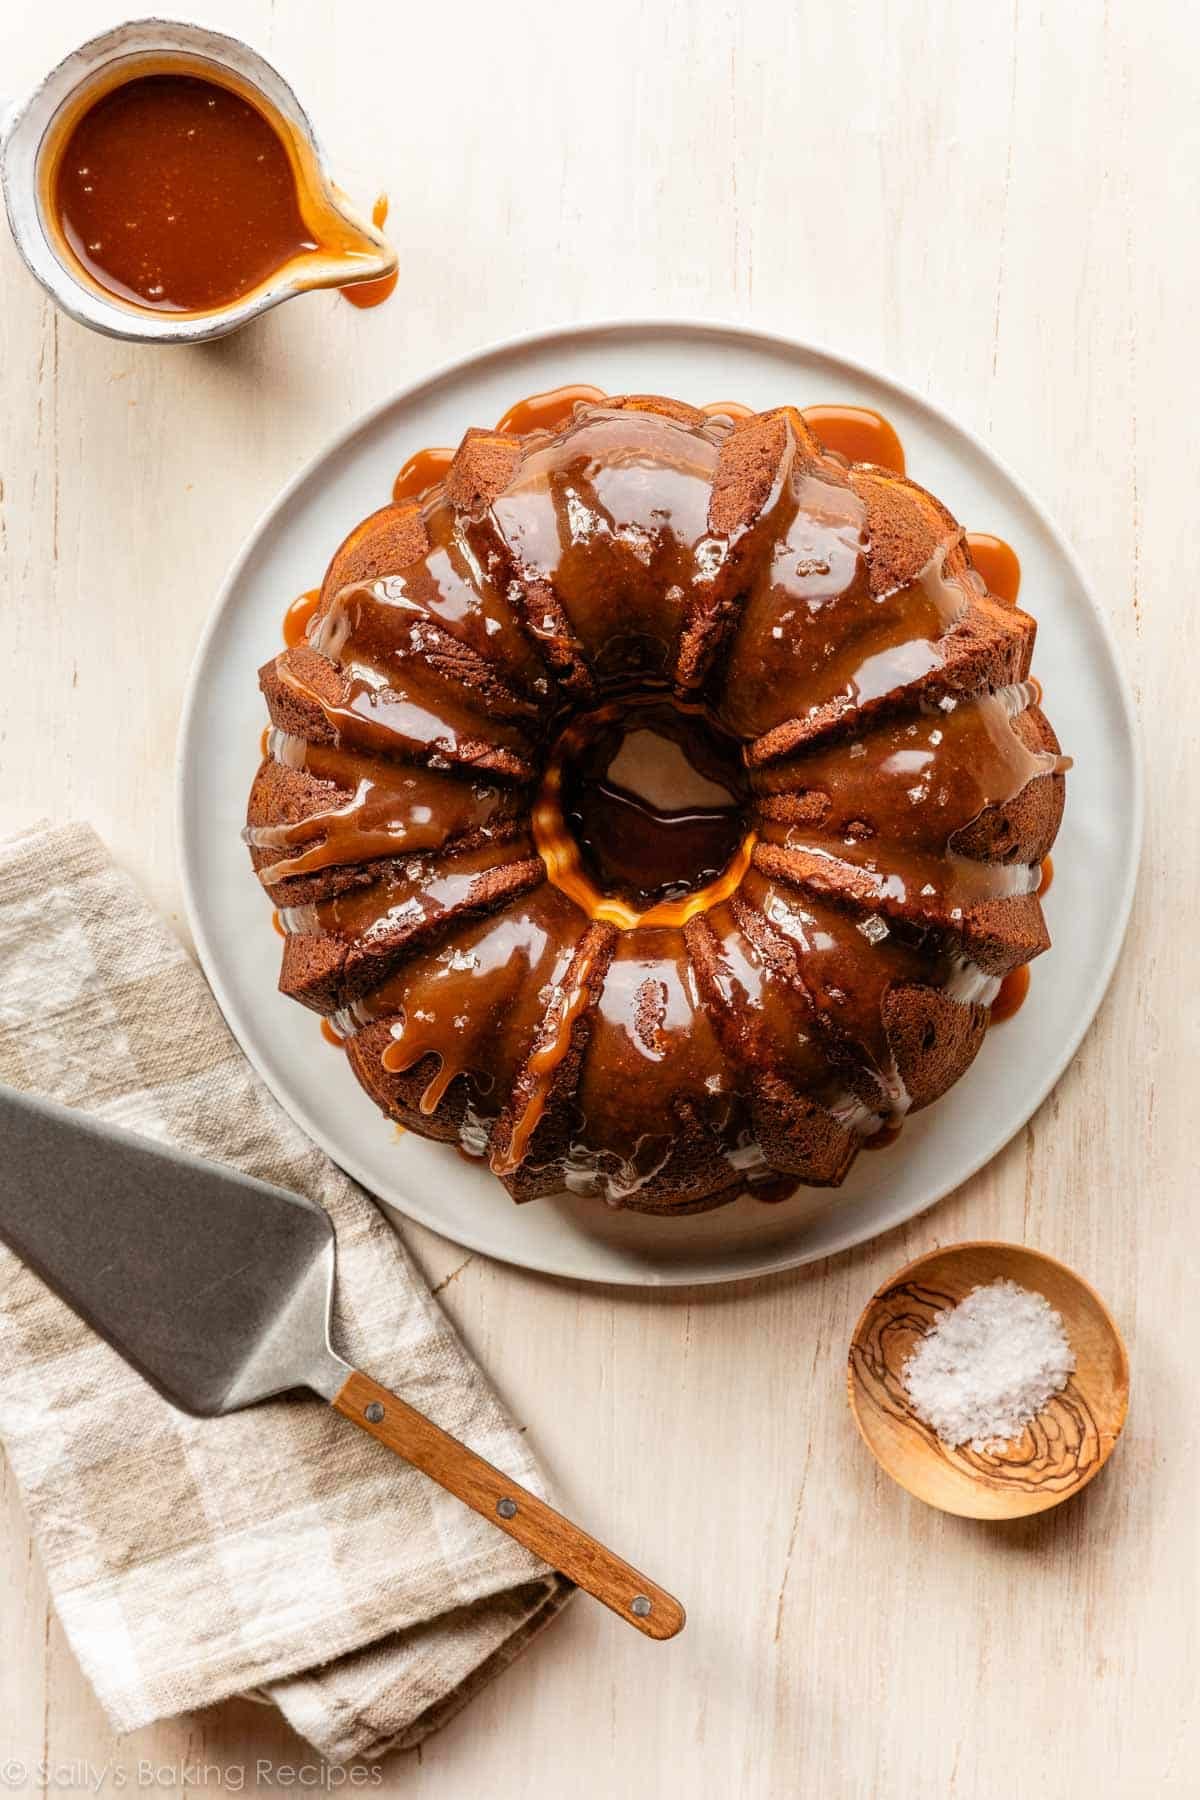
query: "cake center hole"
652, 796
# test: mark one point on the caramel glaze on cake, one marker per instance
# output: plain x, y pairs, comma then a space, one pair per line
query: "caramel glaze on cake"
476, 893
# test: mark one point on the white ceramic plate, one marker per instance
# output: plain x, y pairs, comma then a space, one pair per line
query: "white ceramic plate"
1095, 858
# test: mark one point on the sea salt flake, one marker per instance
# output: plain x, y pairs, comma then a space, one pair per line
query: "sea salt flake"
989, 1366
873, 929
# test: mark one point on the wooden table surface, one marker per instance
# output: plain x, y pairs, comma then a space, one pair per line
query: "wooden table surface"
998, 204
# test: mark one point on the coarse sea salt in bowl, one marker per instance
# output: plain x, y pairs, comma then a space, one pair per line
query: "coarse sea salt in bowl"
987, 1368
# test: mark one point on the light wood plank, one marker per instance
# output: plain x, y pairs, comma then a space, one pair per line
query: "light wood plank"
997, 205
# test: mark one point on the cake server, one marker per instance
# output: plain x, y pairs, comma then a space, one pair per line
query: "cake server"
218, 1289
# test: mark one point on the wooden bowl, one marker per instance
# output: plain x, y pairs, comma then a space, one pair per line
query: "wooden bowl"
1058, 1453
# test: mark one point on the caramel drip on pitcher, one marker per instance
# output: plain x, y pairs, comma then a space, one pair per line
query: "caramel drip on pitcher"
366, 294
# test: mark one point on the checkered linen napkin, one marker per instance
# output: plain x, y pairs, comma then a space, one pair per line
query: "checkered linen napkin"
276, 1551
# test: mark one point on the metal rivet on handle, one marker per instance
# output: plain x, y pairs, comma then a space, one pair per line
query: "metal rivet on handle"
374, 1413
640, 1606
506, 1508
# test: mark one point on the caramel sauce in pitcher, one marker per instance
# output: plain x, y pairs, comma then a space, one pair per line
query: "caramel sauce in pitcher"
178, 194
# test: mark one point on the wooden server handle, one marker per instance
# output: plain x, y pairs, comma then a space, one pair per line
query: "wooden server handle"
496, 1497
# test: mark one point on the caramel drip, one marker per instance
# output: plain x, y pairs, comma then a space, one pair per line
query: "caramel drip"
857, 433
727, 409
549, 411
263, 736
773, 1189
374, 293
476, 1001
761, 987
1012, 995
1047, 876
446, 590
653, 1062
387, 809
625, 557
816, 984
298, 616
278, 924
566, 1007
421, 472
812, 635
998, 564
332, 1035
453, 589
400, 706
411, 898
877, 816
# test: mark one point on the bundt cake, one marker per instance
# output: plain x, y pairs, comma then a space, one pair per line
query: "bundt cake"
656, 804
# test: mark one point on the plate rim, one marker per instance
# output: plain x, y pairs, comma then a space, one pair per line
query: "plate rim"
667, 326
